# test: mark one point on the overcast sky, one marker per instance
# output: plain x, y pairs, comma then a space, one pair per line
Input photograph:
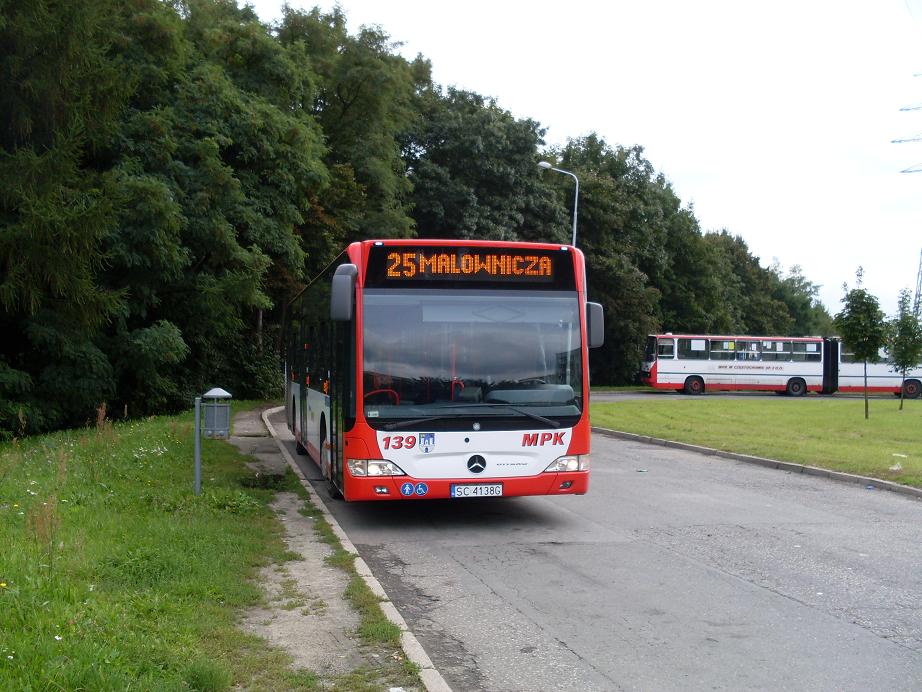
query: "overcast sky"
773, 120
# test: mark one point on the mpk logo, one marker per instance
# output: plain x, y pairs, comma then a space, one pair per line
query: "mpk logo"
541, 439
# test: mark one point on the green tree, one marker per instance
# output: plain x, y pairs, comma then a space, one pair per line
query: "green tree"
904, 341
750, 289
624, 211
219, 159
364, 100
862, 326
62, 96
474, 174
810, 317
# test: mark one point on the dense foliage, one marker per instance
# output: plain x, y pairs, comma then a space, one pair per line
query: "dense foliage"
171, 171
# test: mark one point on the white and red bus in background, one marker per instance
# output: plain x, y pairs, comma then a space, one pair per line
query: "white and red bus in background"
420, 369
694, 363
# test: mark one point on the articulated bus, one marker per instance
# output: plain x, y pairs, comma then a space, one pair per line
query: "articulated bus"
693, 363
422, 369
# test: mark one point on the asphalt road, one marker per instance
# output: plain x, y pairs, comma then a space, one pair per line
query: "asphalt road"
677, 571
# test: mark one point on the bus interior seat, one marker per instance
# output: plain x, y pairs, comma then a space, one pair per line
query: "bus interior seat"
470, 395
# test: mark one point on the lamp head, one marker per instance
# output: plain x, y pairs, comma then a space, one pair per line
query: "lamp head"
544, 164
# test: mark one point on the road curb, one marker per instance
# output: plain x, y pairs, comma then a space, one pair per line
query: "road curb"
431, 678
788, 466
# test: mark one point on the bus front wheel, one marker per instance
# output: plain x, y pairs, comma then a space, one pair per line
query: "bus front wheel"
694, 385
912, 389
797, 387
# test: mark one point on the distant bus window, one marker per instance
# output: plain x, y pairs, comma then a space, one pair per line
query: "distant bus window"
806, 351
848, 354
665, 348
722, 349
748, 350
776, 350
693, 349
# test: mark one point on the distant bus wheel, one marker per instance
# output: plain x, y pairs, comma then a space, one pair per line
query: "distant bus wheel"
694, 385
797, 387
912, 389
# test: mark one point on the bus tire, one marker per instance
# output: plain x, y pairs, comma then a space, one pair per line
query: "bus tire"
912, 389
796, 387
694, 385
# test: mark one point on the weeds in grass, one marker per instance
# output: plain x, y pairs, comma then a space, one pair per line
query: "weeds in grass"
44, 521
142, 593
9, 461
147, 592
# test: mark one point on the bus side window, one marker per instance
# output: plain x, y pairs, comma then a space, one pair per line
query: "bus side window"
748, 350
723, 349
665, 348
693, 349
776, 350
806, 352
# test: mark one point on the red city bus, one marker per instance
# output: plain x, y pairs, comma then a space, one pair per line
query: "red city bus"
421, 369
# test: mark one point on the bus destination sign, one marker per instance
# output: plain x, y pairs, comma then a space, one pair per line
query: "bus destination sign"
460, 264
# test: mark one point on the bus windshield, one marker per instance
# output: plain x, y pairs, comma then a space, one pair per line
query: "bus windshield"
459, 353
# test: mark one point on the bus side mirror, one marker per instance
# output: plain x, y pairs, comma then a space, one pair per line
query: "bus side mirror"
342, 293
595, 324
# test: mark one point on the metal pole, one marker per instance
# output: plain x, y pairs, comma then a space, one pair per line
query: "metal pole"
198, 445
547, 166
575, 202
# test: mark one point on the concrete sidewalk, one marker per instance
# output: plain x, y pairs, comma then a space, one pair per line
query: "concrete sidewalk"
249, 435
304, 612
322, 636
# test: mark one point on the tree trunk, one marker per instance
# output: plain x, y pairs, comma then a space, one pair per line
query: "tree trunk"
902, 385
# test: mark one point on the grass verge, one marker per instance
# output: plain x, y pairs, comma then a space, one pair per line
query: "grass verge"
824, 432
114, 575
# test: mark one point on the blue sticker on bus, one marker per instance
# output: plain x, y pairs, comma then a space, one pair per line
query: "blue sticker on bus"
421, 489
407, 489
426, 442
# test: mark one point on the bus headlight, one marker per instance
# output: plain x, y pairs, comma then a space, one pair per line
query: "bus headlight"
579, 462
373, 467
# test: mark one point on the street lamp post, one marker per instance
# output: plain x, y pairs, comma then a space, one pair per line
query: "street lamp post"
545, 165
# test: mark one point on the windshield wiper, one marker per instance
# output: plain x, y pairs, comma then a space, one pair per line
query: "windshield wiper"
535, 416
417, 421
410, 423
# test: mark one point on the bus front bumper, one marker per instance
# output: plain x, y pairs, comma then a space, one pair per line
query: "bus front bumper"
408, 488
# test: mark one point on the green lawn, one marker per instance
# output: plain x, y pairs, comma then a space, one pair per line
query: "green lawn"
825, 432
115, 576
